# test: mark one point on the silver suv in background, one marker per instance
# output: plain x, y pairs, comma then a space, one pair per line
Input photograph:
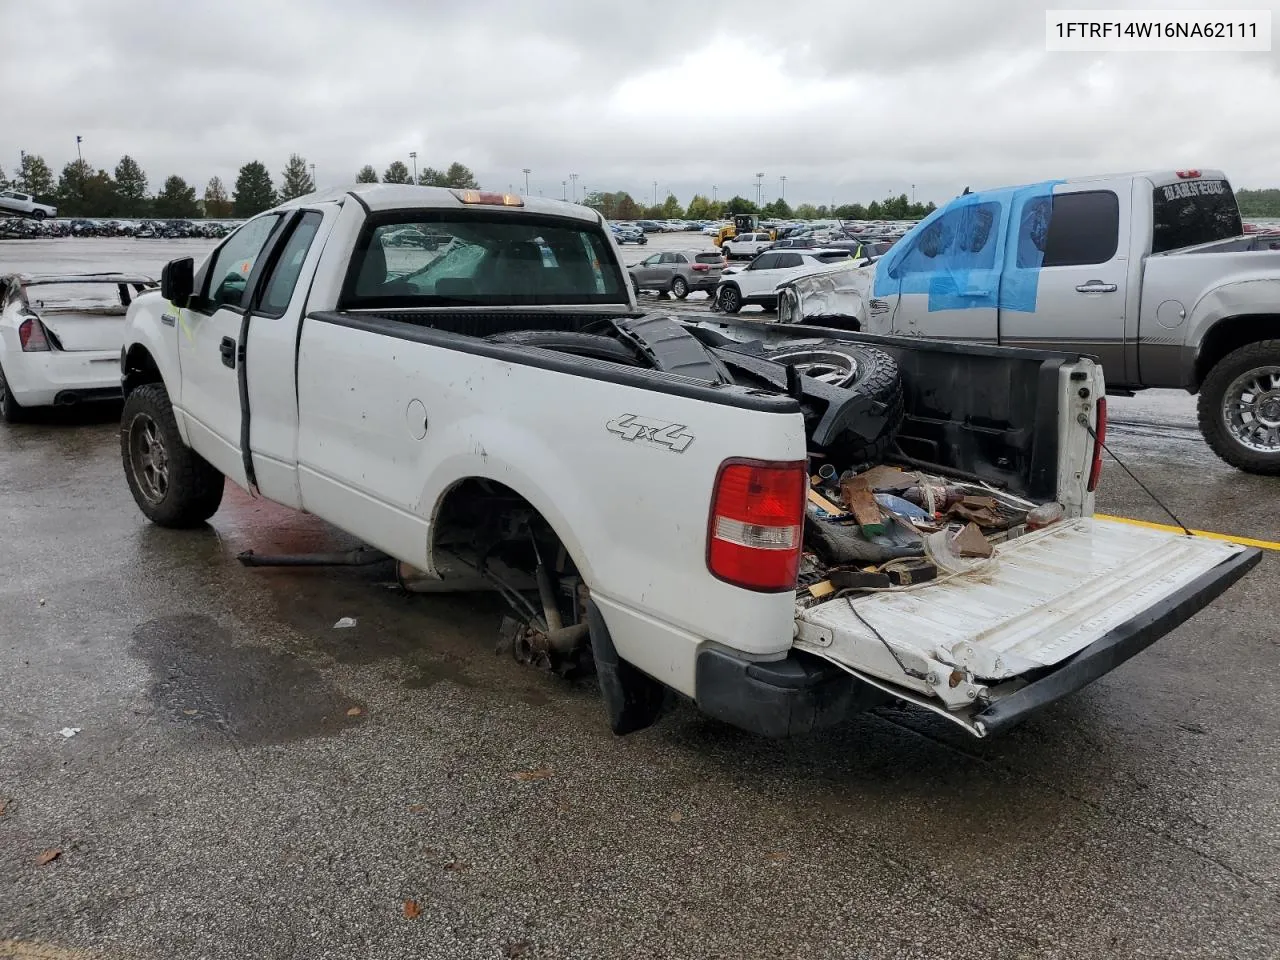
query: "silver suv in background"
678, 272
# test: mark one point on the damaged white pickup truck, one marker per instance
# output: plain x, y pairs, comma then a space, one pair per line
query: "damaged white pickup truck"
784, 524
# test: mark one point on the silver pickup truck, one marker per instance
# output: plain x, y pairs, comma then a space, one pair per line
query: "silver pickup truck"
1151, 273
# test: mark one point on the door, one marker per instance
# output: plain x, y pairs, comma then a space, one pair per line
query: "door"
668, 266
270, 378
947, 278
1069, 264
648, 271
208, 345
757, 280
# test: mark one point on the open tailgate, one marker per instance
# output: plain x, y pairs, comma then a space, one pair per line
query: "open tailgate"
1063, 606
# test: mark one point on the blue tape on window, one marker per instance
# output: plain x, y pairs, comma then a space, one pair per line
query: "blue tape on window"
960, 257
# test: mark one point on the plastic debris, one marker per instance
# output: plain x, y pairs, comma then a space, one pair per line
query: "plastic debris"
345, 623
1044, 515
903, 508
69, 732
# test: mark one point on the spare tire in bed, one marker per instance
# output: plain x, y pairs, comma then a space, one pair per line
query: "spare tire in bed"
591, 345
845, 384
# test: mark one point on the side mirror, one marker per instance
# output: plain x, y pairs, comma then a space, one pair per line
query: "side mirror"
177, 281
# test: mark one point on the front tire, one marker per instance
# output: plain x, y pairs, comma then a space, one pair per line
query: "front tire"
679, 287
38, 214
172, 484
730, 299
1239, 408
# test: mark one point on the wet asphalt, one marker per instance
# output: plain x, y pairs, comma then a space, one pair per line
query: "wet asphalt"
248, 780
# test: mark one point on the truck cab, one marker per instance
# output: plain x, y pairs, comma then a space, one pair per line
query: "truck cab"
1151, 273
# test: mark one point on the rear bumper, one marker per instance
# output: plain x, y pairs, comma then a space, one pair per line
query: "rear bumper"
57, 376
803, 692
780, 698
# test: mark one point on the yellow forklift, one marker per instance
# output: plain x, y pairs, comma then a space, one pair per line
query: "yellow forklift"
742, 223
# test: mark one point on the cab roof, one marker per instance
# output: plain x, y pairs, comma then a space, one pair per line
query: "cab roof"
377, 197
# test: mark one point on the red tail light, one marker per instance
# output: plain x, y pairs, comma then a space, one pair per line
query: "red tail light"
701, 267
1100, 431
32, 337
757, 519
1188, 174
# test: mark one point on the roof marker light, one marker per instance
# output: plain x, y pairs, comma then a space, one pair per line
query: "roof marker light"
488, 199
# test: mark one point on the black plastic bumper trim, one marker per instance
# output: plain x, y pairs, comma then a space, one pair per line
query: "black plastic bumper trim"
1125, 641
779, 698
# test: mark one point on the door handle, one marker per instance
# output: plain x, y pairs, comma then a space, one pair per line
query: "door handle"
228, 350
1096, 286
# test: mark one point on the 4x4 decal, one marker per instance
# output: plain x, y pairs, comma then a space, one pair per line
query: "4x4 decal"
657, 433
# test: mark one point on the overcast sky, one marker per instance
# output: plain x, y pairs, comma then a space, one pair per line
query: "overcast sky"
848, 100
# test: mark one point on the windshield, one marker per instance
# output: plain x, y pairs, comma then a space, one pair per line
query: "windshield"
481, 259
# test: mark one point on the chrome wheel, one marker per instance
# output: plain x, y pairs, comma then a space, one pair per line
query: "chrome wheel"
829, 366
1251, 409
148, 458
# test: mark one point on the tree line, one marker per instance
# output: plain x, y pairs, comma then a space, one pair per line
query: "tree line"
1259, 203
81, 191
622, 206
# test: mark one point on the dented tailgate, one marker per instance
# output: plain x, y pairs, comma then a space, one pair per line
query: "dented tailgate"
1074, 592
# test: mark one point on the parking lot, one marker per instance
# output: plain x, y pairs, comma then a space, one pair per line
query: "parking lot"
247, 780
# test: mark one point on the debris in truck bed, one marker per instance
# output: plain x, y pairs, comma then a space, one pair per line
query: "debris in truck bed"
886, 528
970, 542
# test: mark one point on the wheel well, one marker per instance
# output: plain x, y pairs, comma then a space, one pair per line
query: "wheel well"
477, 514
1232, 334
139, 368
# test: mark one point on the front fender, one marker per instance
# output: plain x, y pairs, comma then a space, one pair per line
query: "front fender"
153, 324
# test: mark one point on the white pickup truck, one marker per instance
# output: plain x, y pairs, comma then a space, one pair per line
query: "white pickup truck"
24, 205
1151, 273
638, 487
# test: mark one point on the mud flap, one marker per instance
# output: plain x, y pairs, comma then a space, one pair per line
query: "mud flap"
632, 699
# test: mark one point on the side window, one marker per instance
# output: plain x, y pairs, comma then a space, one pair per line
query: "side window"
652, 261
961, 239
789, 260
670, 258
284, 276
766, 261
233, 262
1071, 229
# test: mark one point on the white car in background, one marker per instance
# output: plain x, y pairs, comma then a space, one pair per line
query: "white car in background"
757, 283
60, 338
746, 245
24, 205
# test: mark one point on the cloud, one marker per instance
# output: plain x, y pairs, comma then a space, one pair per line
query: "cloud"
848, 100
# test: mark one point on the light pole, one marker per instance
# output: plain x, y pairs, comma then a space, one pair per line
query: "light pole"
313, 177
655, 193
413, 155
81, 168
574, 178
913, 194
564, 189
526, 179
783, 181
22, 170
759, 188
713, 193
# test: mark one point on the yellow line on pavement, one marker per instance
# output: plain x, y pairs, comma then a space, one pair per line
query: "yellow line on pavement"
1246, 541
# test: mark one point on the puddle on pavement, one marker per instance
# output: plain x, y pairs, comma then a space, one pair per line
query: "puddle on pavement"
253, 695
